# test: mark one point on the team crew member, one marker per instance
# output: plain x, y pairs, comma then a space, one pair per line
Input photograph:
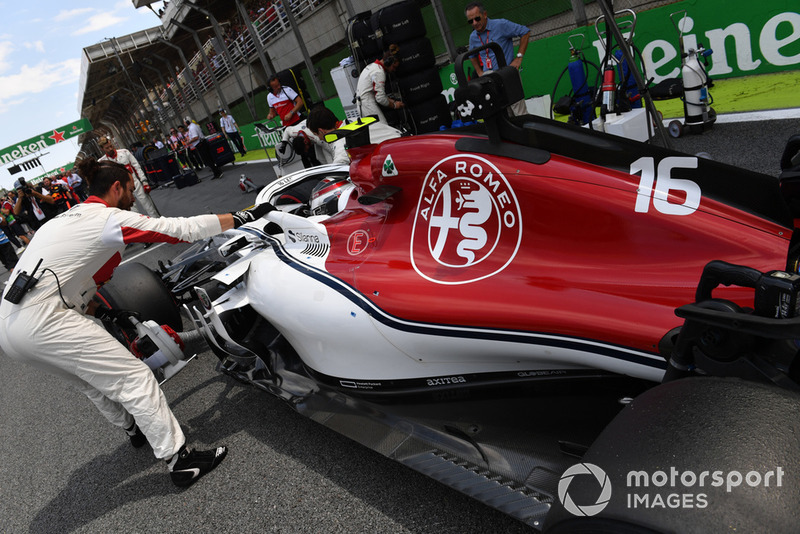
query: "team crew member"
49, 330
322, 121
371, 88
197, 143
124, 157
283, 102
502, 32
232, 131
304, 142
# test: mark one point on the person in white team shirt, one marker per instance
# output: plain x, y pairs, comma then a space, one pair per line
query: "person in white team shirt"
197, 142
371, 88
48, 328
231, 129
283, 102
144, 203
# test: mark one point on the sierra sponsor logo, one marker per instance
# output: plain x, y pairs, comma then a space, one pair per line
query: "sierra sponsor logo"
468, 223
302, 237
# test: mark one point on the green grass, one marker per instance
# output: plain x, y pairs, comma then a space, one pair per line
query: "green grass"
254, 155
749, 93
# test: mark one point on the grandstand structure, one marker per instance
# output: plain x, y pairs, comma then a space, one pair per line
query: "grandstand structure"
207, 55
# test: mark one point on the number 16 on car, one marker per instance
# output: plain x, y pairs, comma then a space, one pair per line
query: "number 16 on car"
664, 183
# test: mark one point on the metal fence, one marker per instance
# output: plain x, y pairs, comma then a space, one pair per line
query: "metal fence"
544, 17
269, 24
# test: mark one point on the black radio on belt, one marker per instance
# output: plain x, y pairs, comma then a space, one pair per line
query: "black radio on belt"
23, 283
777, 295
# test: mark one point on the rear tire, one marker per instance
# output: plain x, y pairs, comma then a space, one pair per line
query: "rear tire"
430, 115
399, 22
692, 426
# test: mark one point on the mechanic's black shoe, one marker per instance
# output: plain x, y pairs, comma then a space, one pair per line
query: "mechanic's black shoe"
189, 465
137, 438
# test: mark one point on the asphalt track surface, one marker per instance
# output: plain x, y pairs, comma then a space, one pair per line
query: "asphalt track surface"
64, 469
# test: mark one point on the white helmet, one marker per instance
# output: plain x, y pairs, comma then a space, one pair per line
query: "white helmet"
330, 195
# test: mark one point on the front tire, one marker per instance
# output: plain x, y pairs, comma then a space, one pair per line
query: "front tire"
136, 288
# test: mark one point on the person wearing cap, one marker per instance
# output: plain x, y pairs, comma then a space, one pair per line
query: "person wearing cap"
232, 131
144, 203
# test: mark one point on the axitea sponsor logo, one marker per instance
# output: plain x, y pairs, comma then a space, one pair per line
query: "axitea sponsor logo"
446, 381
670, 488
468, 223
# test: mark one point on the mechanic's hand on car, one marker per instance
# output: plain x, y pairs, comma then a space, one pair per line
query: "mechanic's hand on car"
252, 214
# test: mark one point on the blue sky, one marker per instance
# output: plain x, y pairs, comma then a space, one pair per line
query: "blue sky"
41, 44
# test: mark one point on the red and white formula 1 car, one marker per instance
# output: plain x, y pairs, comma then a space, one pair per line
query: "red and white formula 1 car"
495, 307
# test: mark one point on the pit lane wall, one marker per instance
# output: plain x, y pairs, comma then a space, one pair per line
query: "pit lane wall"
746, 38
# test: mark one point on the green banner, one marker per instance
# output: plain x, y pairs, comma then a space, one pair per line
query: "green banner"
42, 141
746, 38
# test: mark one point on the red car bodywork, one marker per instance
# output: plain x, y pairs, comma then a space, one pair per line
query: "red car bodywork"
563, 246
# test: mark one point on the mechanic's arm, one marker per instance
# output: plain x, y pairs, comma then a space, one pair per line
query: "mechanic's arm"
298, 104
138, 168
379, 88
225, 220
340, 155
271, 114
133, 228
290, 132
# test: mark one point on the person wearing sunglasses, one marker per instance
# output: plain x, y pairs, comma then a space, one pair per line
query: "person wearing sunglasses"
502, 32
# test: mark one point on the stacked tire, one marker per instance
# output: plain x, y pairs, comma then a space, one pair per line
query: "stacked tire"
364, 45
400, 28
290, 78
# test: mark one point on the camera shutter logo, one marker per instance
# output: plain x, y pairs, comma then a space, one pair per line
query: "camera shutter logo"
589, 509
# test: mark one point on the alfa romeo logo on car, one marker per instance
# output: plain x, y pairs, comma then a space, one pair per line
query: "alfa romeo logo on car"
468, 224
584, 509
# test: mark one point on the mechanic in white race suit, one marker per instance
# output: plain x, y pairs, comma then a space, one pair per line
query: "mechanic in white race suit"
305, 144
371, 88
322, 121
144, 204
49, 328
